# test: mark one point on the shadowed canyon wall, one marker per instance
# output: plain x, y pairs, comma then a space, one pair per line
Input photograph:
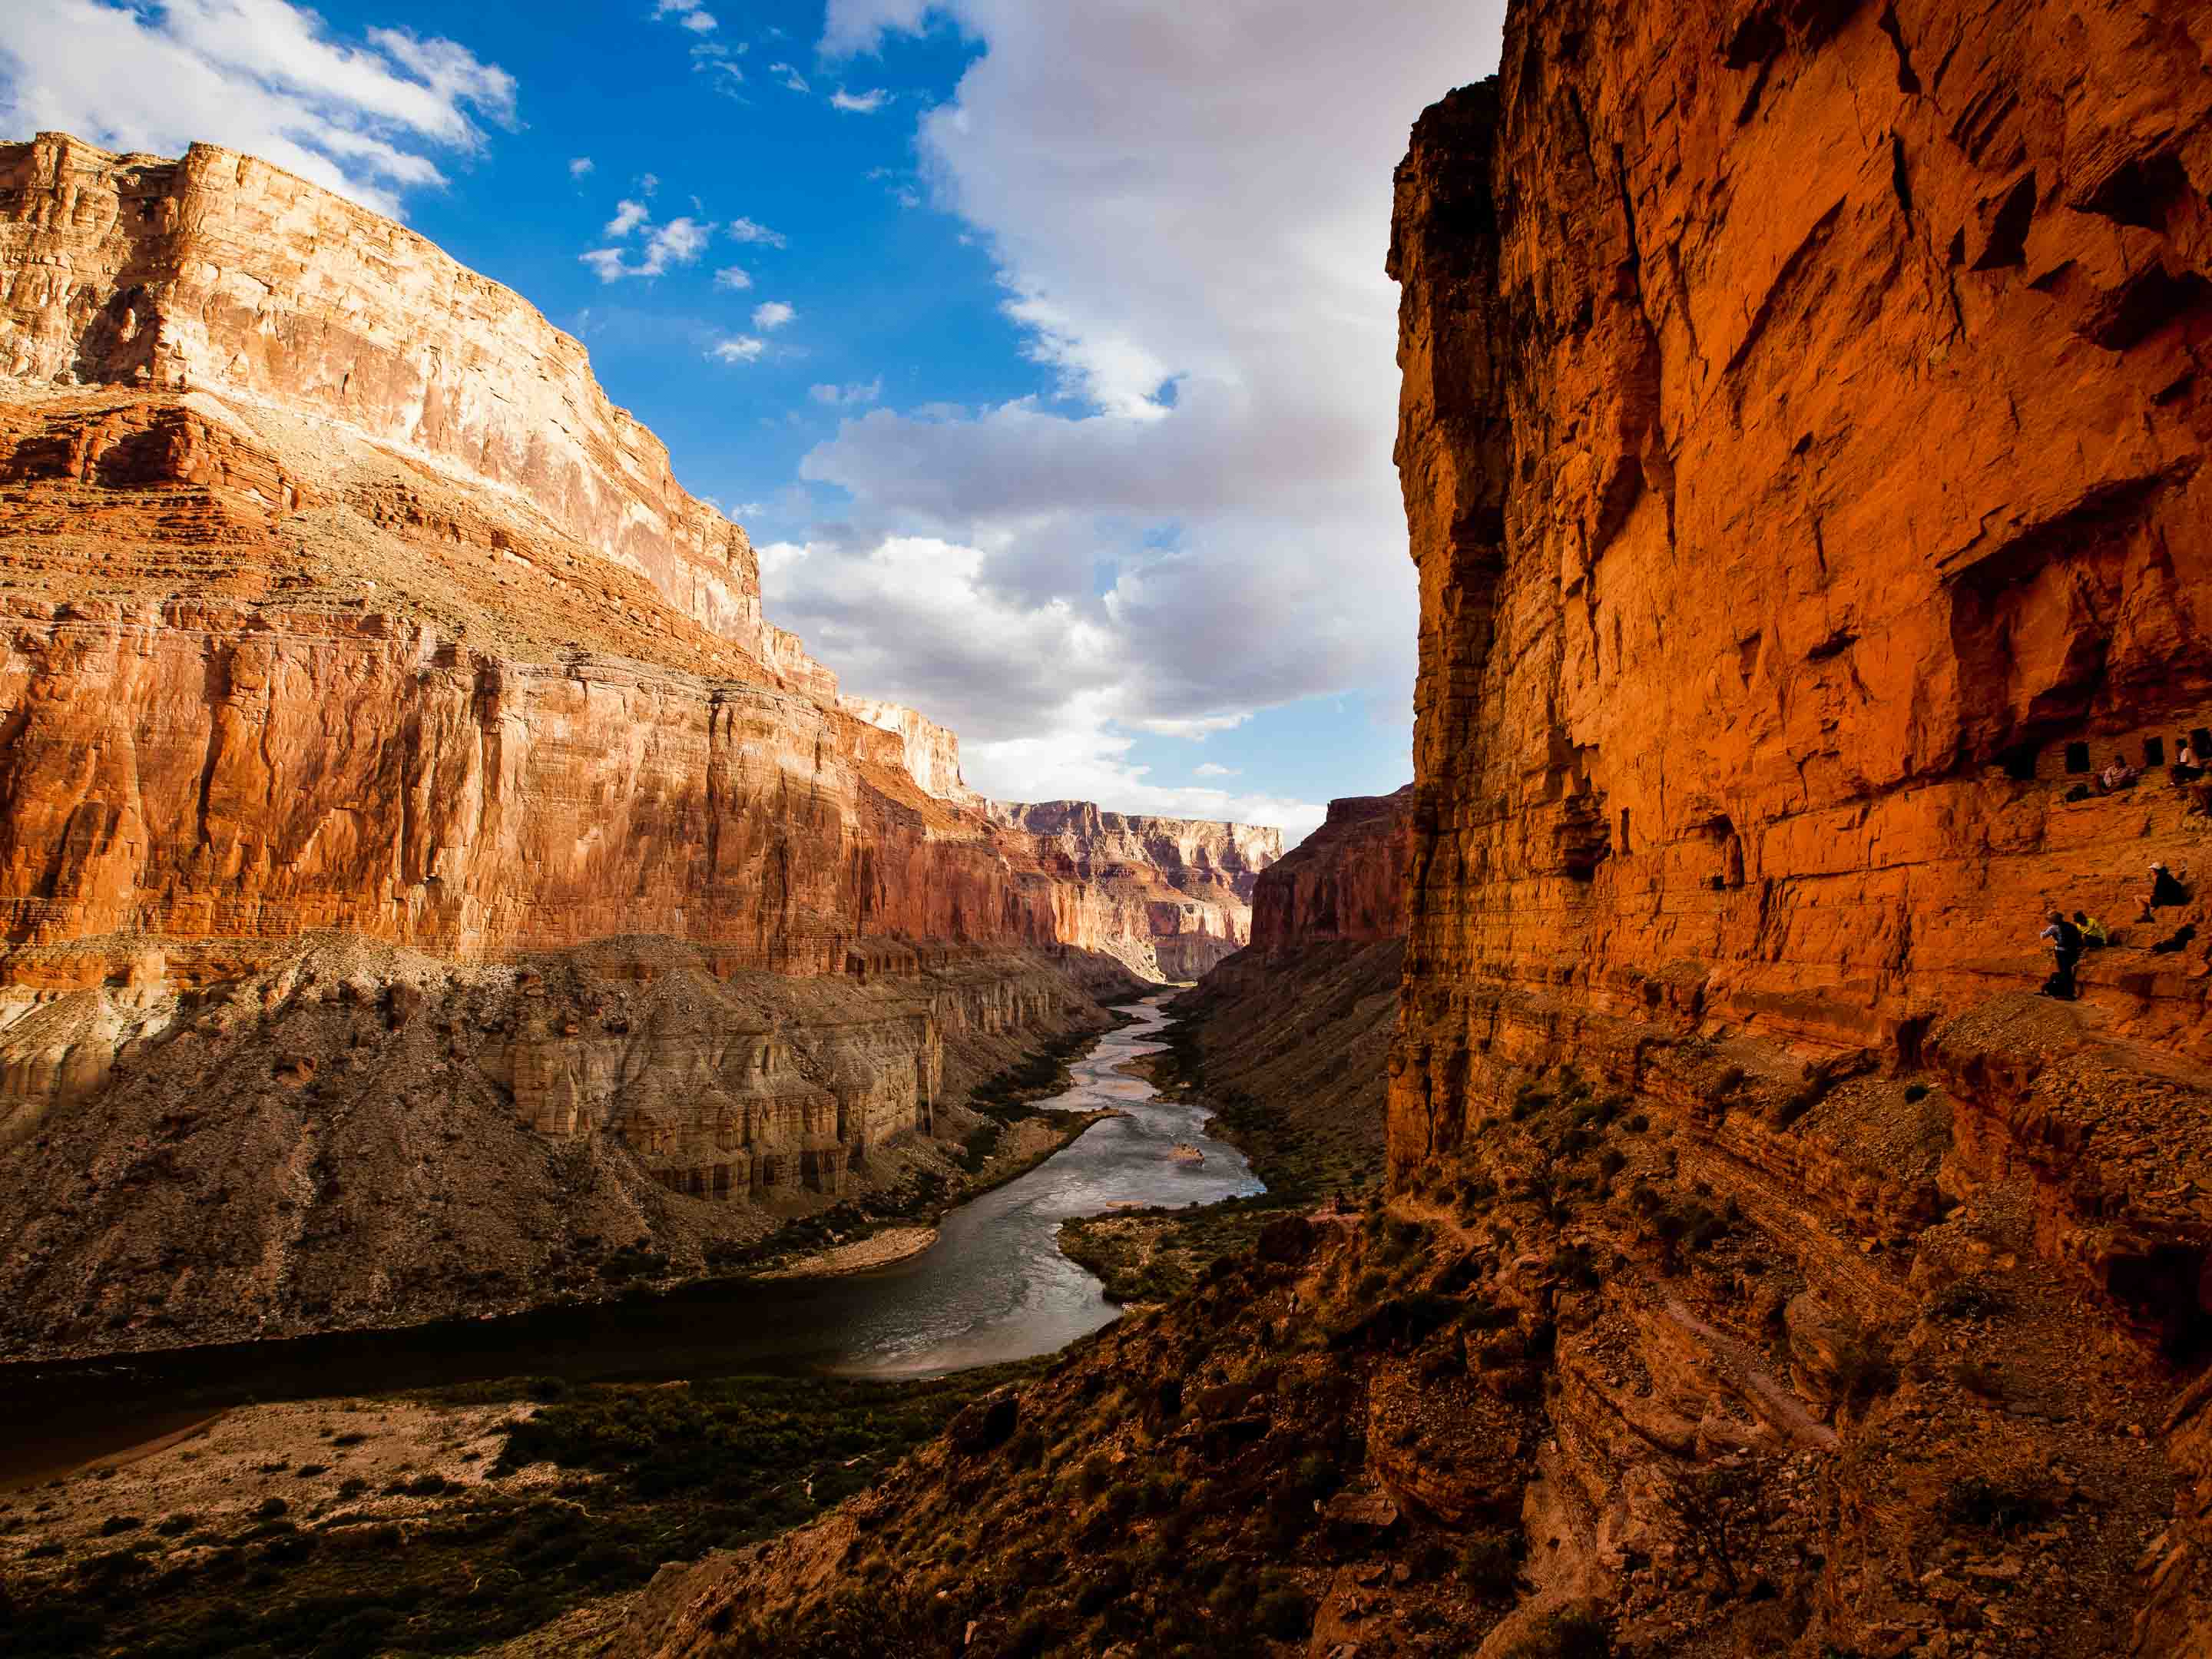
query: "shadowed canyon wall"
1295, 1027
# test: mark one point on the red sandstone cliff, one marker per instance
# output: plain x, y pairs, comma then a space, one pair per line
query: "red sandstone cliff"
1347, 881
1177, 892
219, 273
1803, 441
1292, 1032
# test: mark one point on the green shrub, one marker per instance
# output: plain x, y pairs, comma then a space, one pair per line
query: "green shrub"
1781, 1114
1096, 1471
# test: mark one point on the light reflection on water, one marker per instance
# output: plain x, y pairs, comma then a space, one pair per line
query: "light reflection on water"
993, 1287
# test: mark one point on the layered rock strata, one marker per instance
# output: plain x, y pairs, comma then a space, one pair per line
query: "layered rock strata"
360, 1135
1803, 442
217, 272
1344, 883
1176, 893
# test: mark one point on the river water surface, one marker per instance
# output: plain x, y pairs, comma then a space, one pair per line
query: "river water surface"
993, 1287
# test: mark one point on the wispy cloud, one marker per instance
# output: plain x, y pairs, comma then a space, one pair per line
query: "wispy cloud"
721, 61
733, 277
649, 184
690, 13
628, 216
789, 76
860, 391
860, 103
258, 76
679, 242
1209, 769
738, 348
745, 230
772, 314
580, 167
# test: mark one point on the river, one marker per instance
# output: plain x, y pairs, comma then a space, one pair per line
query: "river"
993, 1287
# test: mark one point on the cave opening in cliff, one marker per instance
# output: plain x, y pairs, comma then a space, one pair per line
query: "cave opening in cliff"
2153, 751
2018, 761
2077, 758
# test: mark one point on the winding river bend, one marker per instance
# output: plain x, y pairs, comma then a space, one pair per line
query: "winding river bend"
993, 1287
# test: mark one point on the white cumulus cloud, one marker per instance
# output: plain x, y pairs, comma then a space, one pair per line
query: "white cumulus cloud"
772, 314
363, 118
745, 230
737, 349
860, 103
628, 216
580, 167
1189, 209
733, 277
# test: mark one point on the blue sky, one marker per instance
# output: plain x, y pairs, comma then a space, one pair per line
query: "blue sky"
1044, 351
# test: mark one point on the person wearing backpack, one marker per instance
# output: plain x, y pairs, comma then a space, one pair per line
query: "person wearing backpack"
2066, 945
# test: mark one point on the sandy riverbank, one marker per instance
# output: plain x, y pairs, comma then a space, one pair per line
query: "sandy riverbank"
876, 1251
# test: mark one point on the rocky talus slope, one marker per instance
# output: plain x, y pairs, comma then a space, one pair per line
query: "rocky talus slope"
1803, 440
347, 621
1179, 892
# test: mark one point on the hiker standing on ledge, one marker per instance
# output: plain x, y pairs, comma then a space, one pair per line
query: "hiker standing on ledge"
2066, 945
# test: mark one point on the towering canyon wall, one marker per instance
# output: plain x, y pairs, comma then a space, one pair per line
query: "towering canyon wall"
1803, 442
1346, 883
1796, 535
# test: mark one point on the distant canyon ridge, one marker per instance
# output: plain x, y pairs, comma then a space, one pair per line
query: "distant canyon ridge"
402, 791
